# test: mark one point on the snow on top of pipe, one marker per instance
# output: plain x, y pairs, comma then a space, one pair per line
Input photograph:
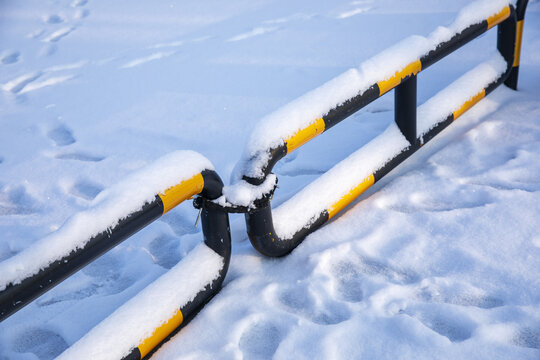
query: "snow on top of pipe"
274, 128
451, 98
108, 208
137, 319
243, 193
303, 208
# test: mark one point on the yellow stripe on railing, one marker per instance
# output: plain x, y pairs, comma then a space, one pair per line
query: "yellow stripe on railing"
411, 69
469, 103
303, 136
160, 333
517, 49
499, 17
183, 191
350, 196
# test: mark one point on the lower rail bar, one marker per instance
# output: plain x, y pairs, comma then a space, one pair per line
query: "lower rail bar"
216, 231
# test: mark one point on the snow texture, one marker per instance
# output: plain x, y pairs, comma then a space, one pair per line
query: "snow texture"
109, 207
243, 193
440, 259
137, 319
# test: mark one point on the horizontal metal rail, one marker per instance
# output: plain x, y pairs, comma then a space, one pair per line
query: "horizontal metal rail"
259, 221
215, 226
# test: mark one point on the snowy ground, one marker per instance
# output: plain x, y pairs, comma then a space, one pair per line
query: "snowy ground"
441, 259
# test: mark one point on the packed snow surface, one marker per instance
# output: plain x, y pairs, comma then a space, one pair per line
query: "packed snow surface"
137, 319
439, 259
108, 208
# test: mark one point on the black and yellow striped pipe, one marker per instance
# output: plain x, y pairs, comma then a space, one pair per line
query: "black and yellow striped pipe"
216, 231
14, 297
259, 221
349, 107
512, 80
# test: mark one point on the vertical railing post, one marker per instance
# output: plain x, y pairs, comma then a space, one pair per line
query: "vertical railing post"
509, 42
405, 108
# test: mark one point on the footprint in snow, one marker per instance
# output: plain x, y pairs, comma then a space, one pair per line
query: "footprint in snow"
59, 34
528, 338
455, 327
44, 344
53, 19
109, 273
69, 295
147, 59
80, 156
297, 298
164, 251
61, 135
349, 281
36, 34
378, 268
85, 190
353, 12
81, 14
358, 7
16, 201
331, 314
300, 301
48, 50
10, 57
79, 3
254, 32
260, 340
16, 85
180, 223
464, 298
454, 331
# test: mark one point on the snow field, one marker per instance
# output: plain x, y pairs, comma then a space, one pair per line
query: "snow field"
450, 237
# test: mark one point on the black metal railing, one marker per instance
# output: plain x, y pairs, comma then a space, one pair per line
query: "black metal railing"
259, 220
215, 226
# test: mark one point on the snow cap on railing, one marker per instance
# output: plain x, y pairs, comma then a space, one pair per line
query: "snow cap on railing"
107, 210
137, 319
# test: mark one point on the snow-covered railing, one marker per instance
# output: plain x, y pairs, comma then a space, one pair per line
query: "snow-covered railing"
314, 113
118, 213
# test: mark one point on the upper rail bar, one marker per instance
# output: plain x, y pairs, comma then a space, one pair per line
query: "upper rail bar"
259, 219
